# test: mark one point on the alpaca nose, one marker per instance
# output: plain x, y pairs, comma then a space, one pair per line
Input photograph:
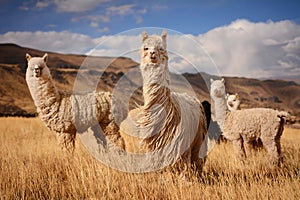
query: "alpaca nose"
36, 69
152, 55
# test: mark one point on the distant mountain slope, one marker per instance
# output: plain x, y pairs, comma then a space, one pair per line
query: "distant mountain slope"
16, 100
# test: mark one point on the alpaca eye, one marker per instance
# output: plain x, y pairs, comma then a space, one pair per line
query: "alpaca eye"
145, 48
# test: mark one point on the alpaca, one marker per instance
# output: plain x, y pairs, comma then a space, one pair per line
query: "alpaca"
233, 102
60, 111
218, 101
245, 126
166, 116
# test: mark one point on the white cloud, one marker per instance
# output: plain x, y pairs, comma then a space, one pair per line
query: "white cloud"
63, 5
62, 42
118, 45
242, 48
121, 10
77, 5
42, 4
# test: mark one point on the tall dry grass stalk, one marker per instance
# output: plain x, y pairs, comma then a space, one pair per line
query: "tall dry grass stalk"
33, 167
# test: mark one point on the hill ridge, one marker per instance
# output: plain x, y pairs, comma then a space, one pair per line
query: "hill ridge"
16, 100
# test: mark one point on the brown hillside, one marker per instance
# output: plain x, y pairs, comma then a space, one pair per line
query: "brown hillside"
16, 100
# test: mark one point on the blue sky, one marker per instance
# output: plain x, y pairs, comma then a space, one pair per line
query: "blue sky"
99, 17
257, 38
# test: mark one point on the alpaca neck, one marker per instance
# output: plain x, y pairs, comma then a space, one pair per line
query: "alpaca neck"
160, 108
220, 110
44, 93
155, 84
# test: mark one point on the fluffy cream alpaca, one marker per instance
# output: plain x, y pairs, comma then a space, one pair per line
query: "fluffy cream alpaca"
242, 127
166, 116
66, 113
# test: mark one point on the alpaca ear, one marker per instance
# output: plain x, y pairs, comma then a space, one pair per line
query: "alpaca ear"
164, 35
144, 36
211, 80
227, 95
27, 56
45, 57
164, 38
237, 96
223, 80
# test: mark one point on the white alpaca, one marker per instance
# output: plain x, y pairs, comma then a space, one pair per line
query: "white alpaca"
218, 101
233, 102
165, 115
242, 127
66, 113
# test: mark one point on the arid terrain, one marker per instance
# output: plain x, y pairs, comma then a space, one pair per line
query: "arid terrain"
33, 167
15, 99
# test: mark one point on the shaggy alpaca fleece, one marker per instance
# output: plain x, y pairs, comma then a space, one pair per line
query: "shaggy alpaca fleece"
66, 113
242, 127
166, 117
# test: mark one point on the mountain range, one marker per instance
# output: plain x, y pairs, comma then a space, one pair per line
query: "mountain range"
122, 74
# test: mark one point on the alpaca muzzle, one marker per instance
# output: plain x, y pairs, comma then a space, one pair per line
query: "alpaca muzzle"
217, 93
36, 71
153, 57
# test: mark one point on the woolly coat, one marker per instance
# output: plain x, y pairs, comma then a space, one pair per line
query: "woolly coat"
66, 113
251, 124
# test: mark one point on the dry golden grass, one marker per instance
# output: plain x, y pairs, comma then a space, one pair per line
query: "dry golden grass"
33, 167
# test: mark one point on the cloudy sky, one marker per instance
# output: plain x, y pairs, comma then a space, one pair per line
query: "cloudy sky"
250, 38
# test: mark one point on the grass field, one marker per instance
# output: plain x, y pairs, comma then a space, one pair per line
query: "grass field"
33, 167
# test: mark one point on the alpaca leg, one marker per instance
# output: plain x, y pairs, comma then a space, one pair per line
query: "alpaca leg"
278, 148
273, 147
183, 165
66, 141
185, 161
113, 134
238, 146
248, 145
197, 162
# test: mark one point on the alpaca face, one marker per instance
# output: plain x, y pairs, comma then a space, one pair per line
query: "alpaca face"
217, 88
153, 49
37, 66
233, 101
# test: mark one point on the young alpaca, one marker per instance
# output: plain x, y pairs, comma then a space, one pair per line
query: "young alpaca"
58, 111
166, 116
242, 127
233, 102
